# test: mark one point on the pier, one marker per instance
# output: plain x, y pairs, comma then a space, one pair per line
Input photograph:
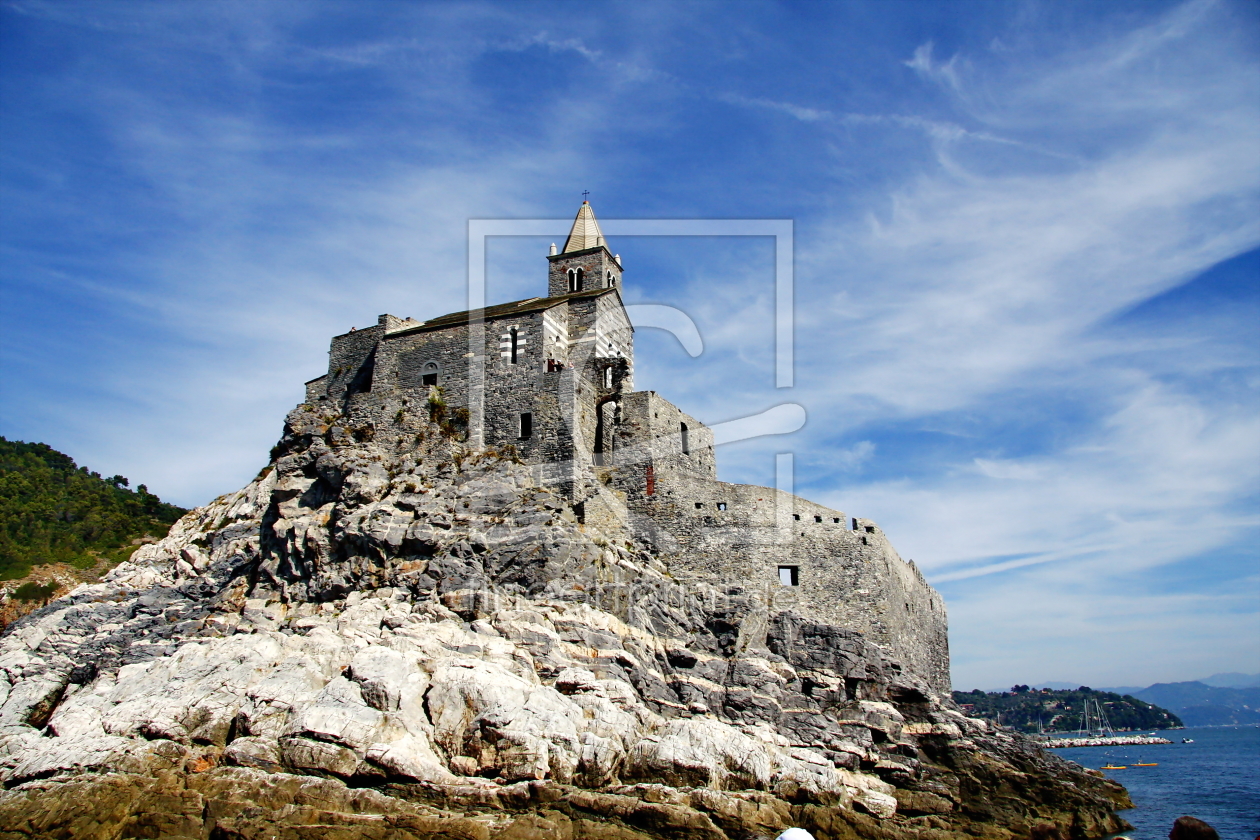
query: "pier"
1108, 741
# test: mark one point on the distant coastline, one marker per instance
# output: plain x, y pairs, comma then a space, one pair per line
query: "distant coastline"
1084, 710
1230, 699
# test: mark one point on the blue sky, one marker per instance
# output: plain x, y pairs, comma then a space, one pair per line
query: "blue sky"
1027, 259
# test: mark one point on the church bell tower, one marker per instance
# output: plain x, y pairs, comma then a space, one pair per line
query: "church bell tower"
585, 263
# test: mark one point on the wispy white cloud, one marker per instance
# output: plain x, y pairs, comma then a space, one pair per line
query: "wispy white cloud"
945, 73
800, 112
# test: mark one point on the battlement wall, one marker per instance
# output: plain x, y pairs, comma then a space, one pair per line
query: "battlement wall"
838, 569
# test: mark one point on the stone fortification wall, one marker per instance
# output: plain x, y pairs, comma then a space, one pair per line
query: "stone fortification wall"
650, 432
352, 362
845, 570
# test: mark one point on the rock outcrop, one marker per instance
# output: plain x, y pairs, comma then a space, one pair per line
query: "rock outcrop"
387, 635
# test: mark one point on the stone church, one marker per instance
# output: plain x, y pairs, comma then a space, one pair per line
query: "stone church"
553, 377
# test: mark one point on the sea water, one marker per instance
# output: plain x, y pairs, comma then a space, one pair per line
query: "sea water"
1217, 779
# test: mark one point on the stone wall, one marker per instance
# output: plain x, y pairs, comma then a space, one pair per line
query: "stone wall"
846, 571
650, 433
351, 362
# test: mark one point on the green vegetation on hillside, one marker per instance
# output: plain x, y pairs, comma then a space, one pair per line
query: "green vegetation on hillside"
52, 510
1026, 709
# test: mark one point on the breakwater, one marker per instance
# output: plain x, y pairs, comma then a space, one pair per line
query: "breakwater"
1112, 741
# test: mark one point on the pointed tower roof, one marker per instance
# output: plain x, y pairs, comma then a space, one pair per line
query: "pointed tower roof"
585, 233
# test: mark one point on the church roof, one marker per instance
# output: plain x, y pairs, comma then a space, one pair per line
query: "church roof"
502, 310
585, 233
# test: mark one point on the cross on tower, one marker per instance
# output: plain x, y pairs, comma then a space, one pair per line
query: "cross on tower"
585, 193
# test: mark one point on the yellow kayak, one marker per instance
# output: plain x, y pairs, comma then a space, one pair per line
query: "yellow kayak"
1115, 767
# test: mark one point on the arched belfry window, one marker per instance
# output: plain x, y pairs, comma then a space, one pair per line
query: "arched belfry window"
577, 281
516, 343
612, 281
573, 280
429, 374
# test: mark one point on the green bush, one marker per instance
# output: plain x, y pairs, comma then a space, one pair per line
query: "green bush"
32, 591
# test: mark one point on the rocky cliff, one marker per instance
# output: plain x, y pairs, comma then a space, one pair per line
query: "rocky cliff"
386, 635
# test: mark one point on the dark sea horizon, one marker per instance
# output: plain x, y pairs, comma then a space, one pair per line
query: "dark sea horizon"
1216, 778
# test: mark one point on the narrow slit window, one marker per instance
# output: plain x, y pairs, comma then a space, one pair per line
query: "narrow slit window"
608, 377
527, 425
686, 443
789, 575
516, 343
573, 280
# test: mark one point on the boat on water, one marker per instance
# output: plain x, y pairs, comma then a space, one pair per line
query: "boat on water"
1115, 767
1146, 764
1187, 740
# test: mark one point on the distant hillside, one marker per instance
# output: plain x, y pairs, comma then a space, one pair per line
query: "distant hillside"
1204, 705
52, 510
1233, 679
1027, 709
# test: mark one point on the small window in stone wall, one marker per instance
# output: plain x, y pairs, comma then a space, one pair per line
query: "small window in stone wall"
836, 520
429, 375
797, 517
516, 344
699, 505
789, 575
686, 443
721, 505
527, 425
818, 519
